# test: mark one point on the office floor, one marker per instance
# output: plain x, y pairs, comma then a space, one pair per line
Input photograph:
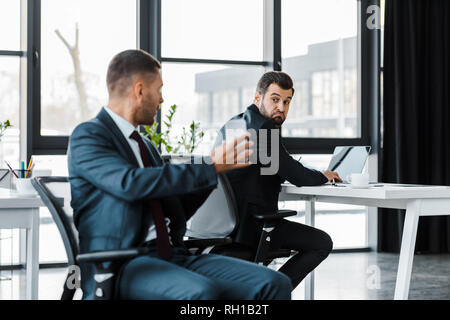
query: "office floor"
352, 276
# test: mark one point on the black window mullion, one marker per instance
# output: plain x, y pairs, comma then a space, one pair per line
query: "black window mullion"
33, 76
149, 27
12, 53
277, 65
149, 35
215, 61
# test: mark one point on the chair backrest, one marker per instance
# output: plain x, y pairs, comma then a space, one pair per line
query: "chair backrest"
217, 217
55, 193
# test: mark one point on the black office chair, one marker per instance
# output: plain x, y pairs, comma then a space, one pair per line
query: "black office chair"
218, 218
55, 193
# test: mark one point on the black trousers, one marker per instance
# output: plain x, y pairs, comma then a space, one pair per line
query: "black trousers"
313, 246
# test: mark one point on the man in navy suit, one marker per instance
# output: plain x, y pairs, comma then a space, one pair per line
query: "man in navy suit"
257, 192
123, 196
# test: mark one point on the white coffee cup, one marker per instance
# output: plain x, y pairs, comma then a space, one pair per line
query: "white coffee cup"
25, 187
359, 179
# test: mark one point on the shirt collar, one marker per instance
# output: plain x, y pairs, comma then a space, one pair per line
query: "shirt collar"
124, 126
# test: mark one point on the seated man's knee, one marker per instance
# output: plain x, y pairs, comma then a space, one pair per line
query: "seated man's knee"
278, 283
204, 290
323, 242
327, 243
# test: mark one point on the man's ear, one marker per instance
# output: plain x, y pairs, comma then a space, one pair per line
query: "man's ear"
257, 100
138, 90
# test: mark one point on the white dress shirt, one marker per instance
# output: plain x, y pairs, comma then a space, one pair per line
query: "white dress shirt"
127, 129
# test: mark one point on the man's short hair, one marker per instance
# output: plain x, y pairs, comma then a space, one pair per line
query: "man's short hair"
125, 65
283, 80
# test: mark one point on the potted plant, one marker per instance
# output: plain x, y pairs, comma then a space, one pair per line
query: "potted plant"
3, 126
186, 142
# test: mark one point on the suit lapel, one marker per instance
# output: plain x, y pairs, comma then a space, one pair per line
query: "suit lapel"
123, 145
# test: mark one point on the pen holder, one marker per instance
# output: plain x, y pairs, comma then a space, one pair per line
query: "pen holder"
14, 177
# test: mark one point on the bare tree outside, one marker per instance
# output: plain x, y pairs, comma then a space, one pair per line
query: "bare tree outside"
74, 51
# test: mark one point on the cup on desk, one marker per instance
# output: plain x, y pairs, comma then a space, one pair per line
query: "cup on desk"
359, 179
17, 175
24, 187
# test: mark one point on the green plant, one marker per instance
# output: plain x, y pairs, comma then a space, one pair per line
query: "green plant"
3, 126
187, 142
192, 138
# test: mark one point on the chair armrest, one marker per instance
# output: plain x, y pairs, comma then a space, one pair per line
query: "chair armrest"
275, 217
203, 243
111, 255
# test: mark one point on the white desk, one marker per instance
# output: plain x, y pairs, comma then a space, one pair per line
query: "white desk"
417, 200
23, 213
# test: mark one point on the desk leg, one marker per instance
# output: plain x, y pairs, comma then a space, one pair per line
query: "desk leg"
310, 210
407, 251
32, 270
22, 246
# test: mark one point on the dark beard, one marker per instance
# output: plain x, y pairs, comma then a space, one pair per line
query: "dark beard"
274, 120
277, 123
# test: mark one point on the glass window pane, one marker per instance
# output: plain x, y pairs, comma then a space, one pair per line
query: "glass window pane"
10, 25
212, 29
320, 53
73, 85
346, 224
9, 109
207, 93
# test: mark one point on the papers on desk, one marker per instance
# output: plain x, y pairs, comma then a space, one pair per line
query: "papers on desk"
373, 185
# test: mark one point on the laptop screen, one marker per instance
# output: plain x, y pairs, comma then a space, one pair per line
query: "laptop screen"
348, 159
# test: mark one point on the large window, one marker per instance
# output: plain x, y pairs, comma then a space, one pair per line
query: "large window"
10, 64
10, 25
322, 44
9, 109
76, 46
212, 29
212, 53
319, 51
11, 56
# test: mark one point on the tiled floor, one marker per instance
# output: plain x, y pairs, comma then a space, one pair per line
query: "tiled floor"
341, 276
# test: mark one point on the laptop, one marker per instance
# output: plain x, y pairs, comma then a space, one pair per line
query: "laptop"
347, 160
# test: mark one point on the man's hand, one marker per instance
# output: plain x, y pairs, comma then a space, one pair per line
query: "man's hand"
233, 155
332, 175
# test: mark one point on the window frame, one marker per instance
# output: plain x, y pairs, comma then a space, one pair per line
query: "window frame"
36, 143
368, 93
149, 39
20, 54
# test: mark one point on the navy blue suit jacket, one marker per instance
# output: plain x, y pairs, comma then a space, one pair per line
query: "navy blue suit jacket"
110, 191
